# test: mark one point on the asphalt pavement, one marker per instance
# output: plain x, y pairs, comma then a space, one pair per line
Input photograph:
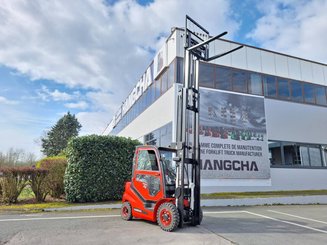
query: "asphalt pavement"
303, 224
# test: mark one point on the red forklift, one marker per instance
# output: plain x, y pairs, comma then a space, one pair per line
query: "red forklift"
165, 185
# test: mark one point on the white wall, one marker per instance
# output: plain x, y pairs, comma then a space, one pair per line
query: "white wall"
282, 179
289, 121
157, 115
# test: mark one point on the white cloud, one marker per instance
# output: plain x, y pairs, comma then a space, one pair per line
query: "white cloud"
298, 28
46, 95
6, 101
82, 105
91, 44
93, 122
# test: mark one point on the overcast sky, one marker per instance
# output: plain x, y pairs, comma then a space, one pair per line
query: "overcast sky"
84, 56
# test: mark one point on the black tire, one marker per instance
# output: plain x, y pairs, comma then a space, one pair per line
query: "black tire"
126, 211
168, 216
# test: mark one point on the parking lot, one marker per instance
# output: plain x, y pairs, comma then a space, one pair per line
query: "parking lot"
306, 224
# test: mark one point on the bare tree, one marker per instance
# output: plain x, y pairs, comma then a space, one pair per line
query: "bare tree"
14, 157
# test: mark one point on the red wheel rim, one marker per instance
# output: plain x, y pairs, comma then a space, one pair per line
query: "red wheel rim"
165, 217
125, 211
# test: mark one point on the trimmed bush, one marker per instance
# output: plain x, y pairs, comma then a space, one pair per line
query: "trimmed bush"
38, 183
98, 167
12, 181
56, 167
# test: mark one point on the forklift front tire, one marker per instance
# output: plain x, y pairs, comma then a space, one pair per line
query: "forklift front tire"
168, 216
126, 211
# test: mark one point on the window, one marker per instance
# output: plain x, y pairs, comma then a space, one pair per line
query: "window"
223, 78
283, 88
291, 154
270, 86
180, 70
296, 89
309, 95
321, 95
240, 79
164, 82
157, 84
275, 155
255, 84
160, 137
206, 72
296, 154
147, 160
171, 74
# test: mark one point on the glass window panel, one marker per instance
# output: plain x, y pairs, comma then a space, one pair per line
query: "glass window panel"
321, 95
240, 79
304, 156
309, 95
291, 154
324, 150
157, 85
180, 70
275, 153
283, 88
315, 157
147, 160
206, 75
164, 82
223, 78
296, 89
171, 74
270, 85
255, 84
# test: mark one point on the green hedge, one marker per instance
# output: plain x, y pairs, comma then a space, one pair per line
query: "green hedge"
98, 167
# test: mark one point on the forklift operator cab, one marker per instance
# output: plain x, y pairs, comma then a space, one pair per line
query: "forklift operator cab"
152, 188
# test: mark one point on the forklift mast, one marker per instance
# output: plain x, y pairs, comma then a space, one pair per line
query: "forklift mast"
196, 49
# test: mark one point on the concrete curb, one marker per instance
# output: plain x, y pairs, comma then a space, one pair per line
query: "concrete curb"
318, 199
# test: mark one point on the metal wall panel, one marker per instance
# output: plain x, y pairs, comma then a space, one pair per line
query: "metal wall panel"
325, 74
238, 57
253, 59
281, 65
306, 71
294, 68
287, 121
171, 48
268, 62
318, 74
179, 43
221, 47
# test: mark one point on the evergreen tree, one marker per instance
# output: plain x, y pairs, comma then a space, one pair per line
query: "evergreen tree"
57, 138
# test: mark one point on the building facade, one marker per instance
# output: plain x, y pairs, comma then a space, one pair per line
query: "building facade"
263, 116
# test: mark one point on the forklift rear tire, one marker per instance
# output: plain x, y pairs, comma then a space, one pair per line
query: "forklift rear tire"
168, 216
126, 211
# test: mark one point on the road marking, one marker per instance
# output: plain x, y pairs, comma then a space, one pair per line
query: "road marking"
286, 222
299, 217
224, 212
61, 218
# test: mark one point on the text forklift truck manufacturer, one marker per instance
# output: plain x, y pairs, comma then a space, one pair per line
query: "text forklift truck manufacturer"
165, 185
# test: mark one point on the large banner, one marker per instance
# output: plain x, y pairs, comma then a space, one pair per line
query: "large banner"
233, 136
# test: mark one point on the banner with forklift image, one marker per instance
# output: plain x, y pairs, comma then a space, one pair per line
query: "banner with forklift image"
233, 136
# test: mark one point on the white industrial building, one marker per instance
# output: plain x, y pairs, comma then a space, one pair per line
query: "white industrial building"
279, 118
